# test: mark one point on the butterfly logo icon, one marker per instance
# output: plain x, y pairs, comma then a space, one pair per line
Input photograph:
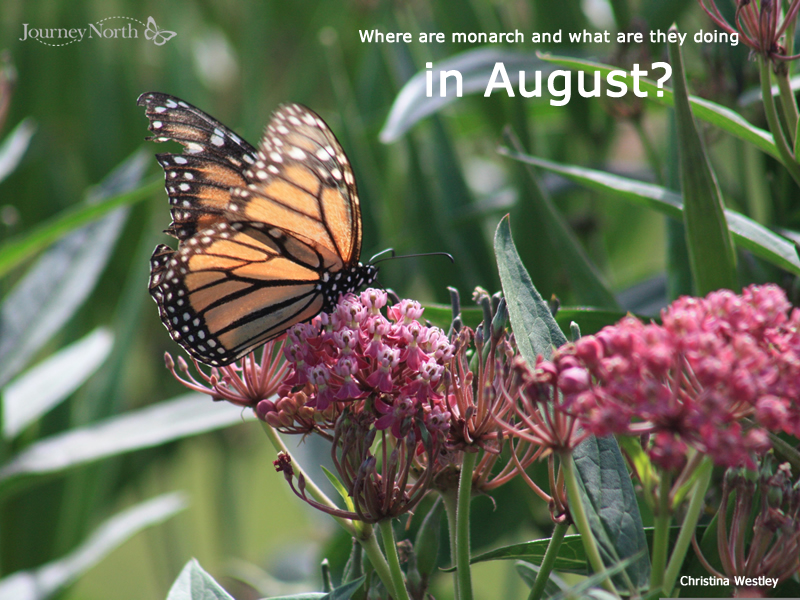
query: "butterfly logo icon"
159, 36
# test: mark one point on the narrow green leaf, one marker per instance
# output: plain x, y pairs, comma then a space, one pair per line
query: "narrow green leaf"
339, 487
301, 596
747, 233
144, 428
14, 146
41, 388
583, 589
611, 506
426, 544
194, 583
61, 279
25, 245
412, 104
571, 555
715, 114
45, 581
528, 572
587, 281
711, 252
535, 329
346, 591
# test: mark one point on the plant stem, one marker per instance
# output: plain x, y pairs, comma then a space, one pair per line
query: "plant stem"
689, 525
787, 158
362, 532
662, 521
369, 542
582, 522
390, 547
312, 487
462, 526
450, 498
549, 560
788, 104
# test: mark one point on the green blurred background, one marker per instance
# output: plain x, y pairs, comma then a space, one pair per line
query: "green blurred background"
442, 187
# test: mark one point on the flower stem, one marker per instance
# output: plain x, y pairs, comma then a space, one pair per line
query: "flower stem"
582, 522
369, 543
450, 498
662, 521
788, 103
312, 487
462, 526
787, 158
549, 560
689, 525
390, 547
362, 532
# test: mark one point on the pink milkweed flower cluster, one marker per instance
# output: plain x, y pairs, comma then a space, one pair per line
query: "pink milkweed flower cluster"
391, 365
690, 381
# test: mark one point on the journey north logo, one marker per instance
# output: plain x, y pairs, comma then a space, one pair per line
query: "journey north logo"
105, 29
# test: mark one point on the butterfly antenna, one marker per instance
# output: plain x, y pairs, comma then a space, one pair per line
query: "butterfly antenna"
388, 250
393, 256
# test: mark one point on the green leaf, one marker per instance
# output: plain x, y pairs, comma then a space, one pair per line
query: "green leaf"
14, 146
194, 583
711, 252
301, 596
25, 245
62, 278
45, 581
747, 233
571, 555
144, 428
529, 571
708, 111
585, 277
41, 388
535, 329
412, 103
339, 487
583, 589
343, 592
346, 591
426, 544
611, 506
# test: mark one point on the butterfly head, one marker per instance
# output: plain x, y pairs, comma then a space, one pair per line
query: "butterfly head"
348, 280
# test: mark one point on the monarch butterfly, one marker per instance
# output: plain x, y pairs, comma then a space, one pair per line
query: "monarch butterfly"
267, 238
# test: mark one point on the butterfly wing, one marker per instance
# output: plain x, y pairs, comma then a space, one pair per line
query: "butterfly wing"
302, 183
232, 288
200, 180
268, 238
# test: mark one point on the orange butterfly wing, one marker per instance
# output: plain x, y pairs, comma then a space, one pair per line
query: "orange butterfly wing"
268, 238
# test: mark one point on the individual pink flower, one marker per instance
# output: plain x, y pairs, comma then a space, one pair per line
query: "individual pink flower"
244, 383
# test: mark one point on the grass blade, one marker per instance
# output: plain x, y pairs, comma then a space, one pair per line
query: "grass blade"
711, 252
144, 428
41, 583
41, 388
708, 111
746, 233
